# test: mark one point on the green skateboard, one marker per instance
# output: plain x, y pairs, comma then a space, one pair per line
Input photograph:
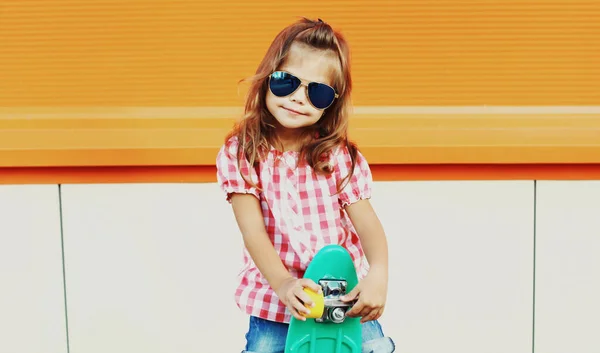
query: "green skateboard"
327, 329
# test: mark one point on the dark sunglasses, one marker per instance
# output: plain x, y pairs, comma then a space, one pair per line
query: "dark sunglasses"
320, 95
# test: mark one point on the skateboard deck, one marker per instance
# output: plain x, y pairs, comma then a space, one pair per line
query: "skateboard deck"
327, 328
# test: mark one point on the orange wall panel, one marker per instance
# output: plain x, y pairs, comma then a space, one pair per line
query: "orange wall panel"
146, 89
192, 53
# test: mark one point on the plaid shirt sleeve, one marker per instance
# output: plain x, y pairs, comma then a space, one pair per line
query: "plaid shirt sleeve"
360, 185
228, 173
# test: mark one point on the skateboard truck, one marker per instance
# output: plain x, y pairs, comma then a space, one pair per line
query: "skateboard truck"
329, 306
334, 308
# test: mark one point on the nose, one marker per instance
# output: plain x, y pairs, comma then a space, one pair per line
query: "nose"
300, 95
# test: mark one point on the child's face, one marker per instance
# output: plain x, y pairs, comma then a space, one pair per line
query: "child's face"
295, 111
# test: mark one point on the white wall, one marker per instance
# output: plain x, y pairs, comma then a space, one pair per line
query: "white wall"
568, 267
461, 265
32, 312
152, 267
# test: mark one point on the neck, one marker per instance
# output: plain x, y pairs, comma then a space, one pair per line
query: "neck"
289, 139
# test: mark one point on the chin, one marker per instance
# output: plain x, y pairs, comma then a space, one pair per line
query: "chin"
295, 122
292, 125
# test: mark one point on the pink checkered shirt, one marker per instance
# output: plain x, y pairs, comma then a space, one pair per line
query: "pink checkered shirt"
301, 214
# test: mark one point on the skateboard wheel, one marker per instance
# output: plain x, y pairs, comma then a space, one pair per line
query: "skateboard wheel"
317, 310
338, 315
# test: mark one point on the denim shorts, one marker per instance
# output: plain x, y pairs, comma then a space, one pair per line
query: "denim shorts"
265, 336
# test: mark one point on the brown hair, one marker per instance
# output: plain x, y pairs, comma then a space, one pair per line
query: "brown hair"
255, 131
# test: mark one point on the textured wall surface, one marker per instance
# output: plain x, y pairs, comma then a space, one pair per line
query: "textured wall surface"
193, 53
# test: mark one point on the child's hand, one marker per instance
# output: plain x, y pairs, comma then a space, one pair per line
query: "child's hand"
371, 293
291, 293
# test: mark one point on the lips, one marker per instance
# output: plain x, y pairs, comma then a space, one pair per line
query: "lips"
293, 111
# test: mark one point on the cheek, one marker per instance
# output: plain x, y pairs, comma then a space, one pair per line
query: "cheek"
316, 114
271, 102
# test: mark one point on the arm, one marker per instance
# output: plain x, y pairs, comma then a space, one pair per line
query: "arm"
244, 199
371, 233
247, 211
249, 218
248, 215
355, 199
372, 290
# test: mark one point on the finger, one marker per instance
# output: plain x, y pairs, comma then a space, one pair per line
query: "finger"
309, 283
372, 315
297, 315
304, 297
379, 314
356, 309
352, 295
365, 311
289, 303
299, 306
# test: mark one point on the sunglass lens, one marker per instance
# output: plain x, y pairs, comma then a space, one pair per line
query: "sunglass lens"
283, 84
320, 95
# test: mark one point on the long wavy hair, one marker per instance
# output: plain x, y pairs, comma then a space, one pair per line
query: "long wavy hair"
256, 130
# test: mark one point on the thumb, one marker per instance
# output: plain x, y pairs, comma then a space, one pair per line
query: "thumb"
352, 295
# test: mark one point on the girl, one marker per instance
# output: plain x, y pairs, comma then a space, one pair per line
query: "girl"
296, 183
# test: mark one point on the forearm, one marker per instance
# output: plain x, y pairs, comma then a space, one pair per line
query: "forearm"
250, 221
374, 243
266, 259
371, 233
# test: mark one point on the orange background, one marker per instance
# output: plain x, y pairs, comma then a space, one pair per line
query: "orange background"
135, 84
